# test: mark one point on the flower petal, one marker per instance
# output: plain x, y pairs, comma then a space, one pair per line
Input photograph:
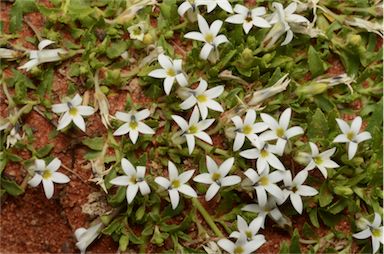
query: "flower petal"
54, 164
122, 116
142, 114
288, 38
212, 191
165, 61
181, 79
180, 122
190, 142
76, 100
144, 188
250, 117
204, 136
226, 166
352, 148
163, 182
272, 123
260, 22
195, 36
230, 180
297, 202
214, 92
185, 176
158, 73
341, 138
294, 131
131, 192
203, 178
123, 129
203, 25
261, 195
205, 51
36, 180
145, 129
226, 245
58, 177
363, 136
203, 110
275, 162
48, 188
356, 124
184, 7
363, 234
204, 124
306, 191
300, 177
225, 5
133, 135
344, 127
236, 19
239, 141
64, 121
120, 181
188, 103
79, 122
85, 110
127, 167
250, 153
172, 171
215, 27
168, 83
175, 198
60, 108
187, 190
44, 43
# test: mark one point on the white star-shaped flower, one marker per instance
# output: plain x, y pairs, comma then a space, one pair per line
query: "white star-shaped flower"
265, 155
137, 31
294, 189
250, 231
351, 135
208, 35
133, 124
247, 129
248, 18
373, 230
73, 111
217, 176
241, 246
279, 130
171, 70
194, 128
212, 4
176, 184
48, 175
189, 7
282, 19
43, 55
203, 98
265, 182
270, 208
320, 160
134, 179
85, 236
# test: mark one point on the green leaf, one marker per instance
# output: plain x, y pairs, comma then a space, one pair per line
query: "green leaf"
316, 65
318, 127
44, 151
116, 49
96, 143
313, 217
123, 242
19, 8
11, 187
325, 195
295, 244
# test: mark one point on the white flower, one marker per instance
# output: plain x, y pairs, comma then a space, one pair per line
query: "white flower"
14, 136
270, 208
73, 111
373, 230
134, 179
265, 182
137, 31
241, 246
370, 26
265, 155
246, 129
171, 71
176, 184
320, 160
250, 231
9, 54
248, 18
209, 36
133, 124
203, 98
189, 7
217, 176
211, 5
279, 130
43, 55
295, 189
194, 128
85, 237
351, 135
48, 175
282, 20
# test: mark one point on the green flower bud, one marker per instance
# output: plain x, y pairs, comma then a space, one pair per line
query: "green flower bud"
343, 190
148, 39
311, 89
168, 34
247, 54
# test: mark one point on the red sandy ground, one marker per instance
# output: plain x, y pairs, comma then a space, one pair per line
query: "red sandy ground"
31, 223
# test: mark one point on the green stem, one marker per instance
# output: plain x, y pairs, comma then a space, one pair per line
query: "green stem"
207, 217
180, 26
210, 149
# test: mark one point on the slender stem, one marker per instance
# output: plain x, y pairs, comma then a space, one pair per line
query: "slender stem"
11, 103
207, 217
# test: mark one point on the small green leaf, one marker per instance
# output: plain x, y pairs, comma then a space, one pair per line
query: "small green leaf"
316, 65
44, 151
96, 143
295, 244
325, 195
318, 127
123, 242
116, 49
11, 187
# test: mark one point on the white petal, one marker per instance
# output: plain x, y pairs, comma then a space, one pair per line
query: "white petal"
185, 176
236, 19
30, 64
122, 116
183, 8
230, 180
275, 162
131, 192
76, 100
163, 182
212, 191
250, 117
48, 188
127, 167
253, 245
253, 208
175, 198
140, 171
344, 127
133, 135
79, 232
64, 121
235, 234
120, 181
247, 26
226, 245
165, 61
143, 128
261, 195
44, 43
376, 221
239, 141
187, 190
252, 175
276, 176
142, 114
203, 178
188, 103
205, 51
203, 25
272, 123
85, 110
204, 136
159, 73
297, 19
242, 225
288, 38
296, 202
314, 149
180, 122
194, 119
306, 191
225, 5
195, 36
356, 124
182, 79
144, 188
211, 165
58, 177
214, 105
275, 191
190, 142
36, 180
262, 165
60, 108
363, 234
215, 27
203, 110
294, 131
260, 22
300, 177
352, 148
323, 171
330, 164
220, 39
226, 166
237, 122
168, 83
210, 5
363, 136
256, 224
54, 164
268, 135
204, 124
123, 129
214, 92
172, 171
79, 122
375, 244
341, 138
250, 153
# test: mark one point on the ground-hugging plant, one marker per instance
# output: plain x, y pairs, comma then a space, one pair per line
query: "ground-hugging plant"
240, 97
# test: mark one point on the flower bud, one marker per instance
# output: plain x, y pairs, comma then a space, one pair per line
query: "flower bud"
343, 191
311, 89
148, 39
247, 54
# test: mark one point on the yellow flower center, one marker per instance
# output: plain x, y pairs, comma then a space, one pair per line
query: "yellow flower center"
137, 31
209, 38
175, 184
73, 111
171, 72
201, 98
247, 129
264, 153
376, 232
264, 181
216, 176
47, 174
133, 179
238, 250
350, 135
248, 234
133, 125
248, 19
280, 132
318, 160
193, 129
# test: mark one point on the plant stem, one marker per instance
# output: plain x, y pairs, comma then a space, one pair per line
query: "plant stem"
207, 217
210, 149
